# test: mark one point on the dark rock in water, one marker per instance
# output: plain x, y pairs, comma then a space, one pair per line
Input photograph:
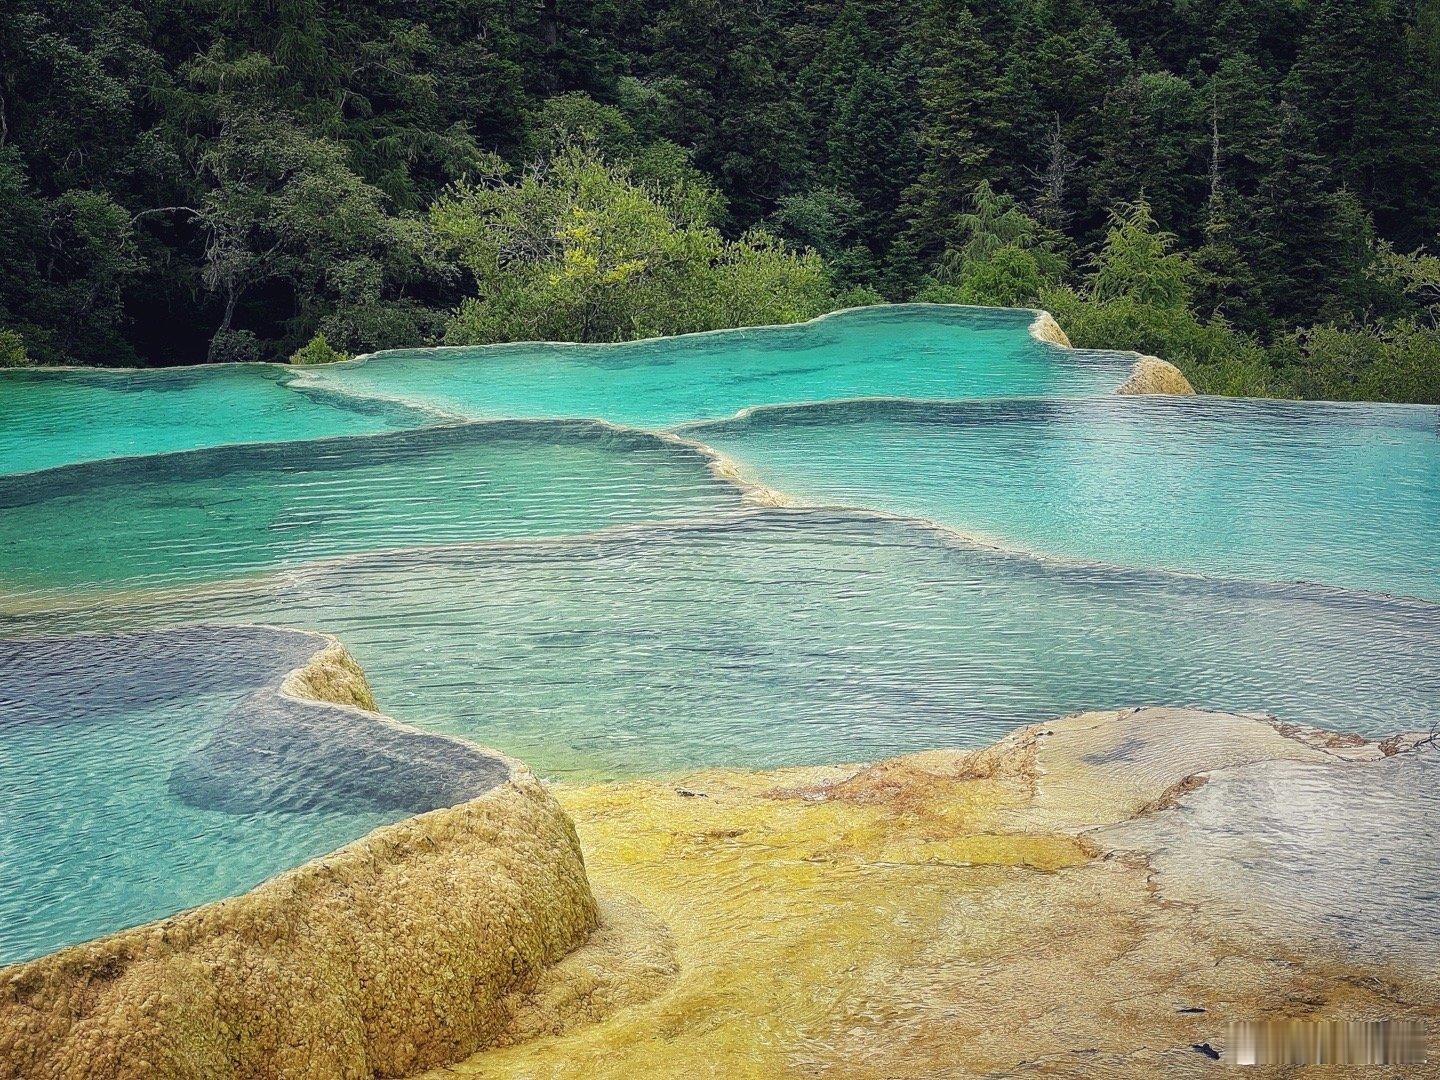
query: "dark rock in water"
270, 753
276, 754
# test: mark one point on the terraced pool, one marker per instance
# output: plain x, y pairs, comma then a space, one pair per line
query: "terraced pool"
924, 527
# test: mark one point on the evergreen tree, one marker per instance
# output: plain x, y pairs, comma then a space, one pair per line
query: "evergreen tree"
1152, 144
956, 89
1306, 240
1384, 146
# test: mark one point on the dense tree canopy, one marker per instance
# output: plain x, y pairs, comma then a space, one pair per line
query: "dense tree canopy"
182, 181
578, 250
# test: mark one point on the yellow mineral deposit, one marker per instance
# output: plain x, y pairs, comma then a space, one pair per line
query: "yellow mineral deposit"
1151, 375
940, 915
1045, 328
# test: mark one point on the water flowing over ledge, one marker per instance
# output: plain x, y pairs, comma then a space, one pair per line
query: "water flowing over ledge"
1277, 491
618, 653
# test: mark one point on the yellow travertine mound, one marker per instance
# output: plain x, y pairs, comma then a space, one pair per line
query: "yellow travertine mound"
1148, 375
409, 948
392, 955
945, 914
1151, 375
1045, 328
332, 675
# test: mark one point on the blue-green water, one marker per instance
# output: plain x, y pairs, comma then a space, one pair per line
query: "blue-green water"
607, 602
913, 351
137, 777
50, 418
211, 513
778, 637
1275, 491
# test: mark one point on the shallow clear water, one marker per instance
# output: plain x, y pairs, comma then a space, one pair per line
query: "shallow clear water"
218, 512
50, 418
604, 602
117, 805
1277, 842
782, 637
1341, 494
907, 351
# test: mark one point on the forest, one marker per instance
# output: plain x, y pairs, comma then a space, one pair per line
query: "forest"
1248, 188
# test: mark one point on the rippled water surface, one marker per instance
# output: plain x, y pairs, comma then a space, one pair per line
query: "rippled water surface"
92, 836
775, 637
50, 418
1341, 494
209, 513
910, 351
604, 602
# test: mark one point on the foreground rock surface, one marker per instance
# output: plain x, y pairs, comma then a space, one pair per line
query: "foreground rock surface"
958, 914
1080, 899
392, 955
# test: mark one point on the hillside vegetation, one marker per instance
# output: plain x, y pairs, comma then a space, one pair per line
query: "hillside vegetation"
1245, 187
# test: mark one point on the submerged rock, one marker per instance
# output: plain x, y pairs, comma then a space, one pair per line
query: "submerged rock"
279, 756
279, 752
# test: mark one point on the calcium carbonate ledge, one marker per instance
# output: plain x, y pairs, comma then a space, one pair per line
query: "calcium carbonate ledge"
403, 950
1148, 374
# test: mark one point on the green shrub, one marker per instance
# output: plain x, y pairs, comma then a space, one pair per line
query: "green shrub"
234, 347
1334, 363
1009, 276
317, 351
12, 349
858, 296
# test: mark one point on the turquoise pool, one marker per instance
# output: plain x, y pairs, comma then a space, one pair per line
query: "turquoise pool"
545, 549
51, 417
1275, 491
914, 351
